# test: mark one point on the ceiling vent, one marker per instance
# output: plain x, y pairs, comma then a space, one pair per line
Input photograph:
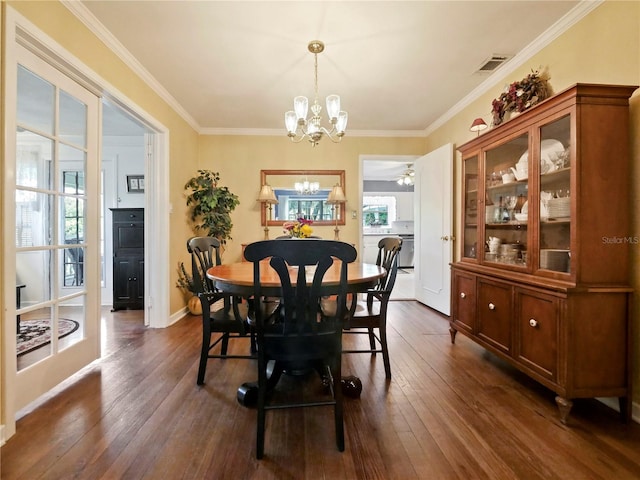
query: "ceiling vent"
493, 62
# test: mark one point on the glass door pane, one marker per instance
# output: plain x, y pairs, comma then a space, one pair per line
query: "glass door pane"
506, 203
555, 196
470, 230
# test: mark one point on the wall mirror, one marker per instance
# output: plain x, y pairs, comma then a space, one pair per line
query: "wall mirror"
303, 193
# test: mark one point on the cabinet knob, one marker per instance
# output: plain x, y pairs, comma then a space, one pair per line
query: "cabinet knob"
491, 306
533, 322
463, 295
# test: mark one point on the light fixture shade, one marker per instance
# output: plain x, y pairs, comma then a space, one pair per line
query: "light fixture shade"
301, 106
267, 195
336, 195
478, 125
333, 106
291, 121
341, 125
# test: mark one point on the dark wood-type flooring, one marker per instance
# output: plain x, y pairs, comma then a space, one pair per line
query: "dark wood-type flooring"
449, 412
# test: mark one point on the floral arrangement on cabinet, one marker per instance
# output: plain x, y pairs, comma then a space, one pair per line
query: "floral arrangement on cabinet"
519, 96
298, 229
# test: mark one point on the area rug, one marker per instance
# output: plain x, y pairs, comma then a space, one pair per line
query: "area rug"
37, 333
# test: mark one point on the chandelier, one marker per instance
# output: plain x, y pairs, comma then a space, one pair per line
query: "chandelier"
307, 187
299, 127
407, 178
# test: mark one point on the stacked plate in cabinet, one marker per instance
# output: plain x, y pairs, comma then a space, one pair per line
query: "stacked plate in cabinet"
559, 207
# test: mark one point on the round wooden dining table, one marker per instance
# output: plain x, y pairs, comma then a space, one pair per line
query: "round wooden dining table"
237, 278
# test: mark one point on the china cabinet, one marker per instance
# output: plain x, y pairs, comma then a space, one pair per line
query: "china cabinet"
542, 278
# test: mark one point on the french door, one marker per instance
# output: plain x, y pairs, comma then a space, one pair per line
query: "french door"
56, 192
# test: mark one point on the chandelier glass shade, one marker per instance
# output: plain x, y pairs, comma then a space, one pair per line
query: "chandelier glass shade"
300, 127
408, 177
307, 187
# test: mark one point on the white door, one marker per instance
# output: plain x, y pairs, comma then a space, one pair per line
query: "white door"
433, 227
52, 193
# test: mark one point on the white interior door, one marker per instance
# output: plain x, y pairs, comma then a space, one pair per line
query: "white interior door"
433, 227
53, 194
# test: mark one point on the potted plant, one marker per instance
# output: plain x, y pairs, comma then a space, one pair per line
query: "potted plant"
211, 205
185, 283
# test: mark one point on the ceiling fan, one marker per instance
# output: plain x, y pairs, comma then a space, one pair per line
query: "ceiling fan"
407, 178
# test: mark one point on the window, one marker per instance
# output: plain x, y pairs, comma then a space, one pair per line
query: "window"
378, 211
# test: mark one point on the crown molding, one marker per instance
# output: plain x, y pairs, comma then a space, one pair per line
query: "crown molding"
571, 18
282, 132
99, 30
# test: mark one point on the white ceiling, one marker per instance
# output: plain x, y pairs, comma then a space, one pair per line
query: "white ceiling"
399, 66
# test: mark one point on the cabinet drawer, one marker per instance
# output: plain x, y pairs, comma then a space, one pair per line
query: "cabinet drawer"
537, 332
495, 313
127, 215
464, 301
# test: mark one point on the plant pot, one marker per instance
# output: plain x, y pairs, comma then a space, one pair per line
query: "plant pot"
194, 306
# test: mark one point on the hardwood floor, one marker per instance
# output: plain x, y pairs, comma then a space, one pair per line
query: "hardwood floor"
449, 412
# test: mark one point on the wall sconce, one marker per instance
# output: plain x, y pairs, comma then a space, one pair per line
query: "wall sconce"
335, 198
267, 198
478, 125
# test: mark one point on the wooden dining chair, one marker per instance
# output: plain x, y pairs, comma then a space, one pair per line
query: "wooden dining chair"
300, 337
224, 316
370, 314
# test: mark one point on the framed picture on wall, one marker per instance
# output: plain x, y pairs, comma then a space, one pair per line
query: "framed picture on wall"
135, 183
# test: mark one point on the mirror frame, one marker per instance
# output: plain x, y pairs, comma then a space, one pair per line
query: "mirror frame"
307, 173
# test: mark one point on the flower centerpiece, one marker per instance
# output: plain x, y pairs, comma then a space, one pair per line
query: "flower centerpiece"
521, 95
298, 229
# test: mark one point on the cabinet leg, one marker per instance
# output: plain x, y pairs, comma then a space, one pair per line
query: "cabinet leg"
564, 405
625, 409
452, 332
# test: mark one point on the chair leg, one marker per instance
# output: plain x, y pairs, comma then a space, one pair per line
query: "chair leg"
254, 346
385, 351
262, 395
338, 410
225, 344
372, 340
204, 355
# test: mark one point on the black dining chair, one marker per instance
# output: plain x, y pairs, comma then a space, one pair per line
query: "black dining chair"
300, 337
224, 316
370, 315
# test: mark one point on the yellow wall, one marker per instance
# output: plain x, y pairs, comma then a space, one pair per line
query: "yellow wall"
239, 160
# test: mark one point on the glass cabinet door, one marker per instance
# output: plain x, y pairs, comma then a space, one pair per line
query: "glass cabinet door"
555, 196
506, 171
470, 231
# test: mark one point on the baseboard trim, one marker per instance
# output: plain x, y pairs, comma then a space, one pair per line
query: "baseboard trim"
179, 315
612, 402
